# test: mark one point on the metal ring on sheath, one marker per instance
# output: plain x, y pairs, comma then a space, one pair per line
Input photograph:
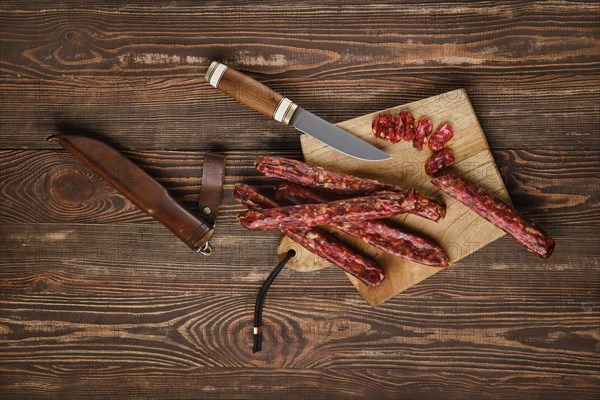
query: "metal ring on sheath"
206, 249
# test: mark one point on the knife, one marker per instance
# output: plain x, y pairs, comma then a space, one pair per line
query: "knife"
270, 103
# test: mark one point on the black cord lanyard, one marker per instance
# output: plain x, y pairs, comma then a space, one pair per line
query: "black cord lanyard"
260, 300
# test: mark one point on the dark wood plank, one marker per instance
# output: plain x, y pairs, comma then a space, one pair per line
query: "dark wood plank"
101, 40
553, 187
135, 73
350, 382
174, 335
196, 328
186, 113
146, 260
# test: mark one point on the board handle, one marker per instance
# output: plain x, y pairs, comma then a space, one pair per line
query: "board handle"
250, 92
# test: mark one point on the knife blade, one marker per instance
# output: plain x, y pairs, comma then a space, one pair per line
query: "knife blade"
270, 103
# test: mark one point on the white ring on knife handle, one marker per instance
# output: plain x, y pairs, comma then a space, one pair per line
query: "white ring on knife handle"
284, 110
215, 73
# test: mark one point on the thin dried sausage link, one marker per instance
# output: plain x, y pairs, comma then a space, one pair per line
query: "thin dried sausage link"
318, 241
252, 198
379, 206
523, 230
377, 233
316, 177
440, 137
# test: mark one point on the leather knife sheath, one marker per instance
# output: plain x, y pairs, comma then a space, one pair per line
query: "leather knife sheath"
138, 187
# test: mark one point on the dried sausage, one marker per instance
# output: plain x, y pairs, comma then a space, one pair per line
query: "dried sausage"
523, 230
439, 160
377, 233
422, 131
388, 127
252, 198
409, 125
440, 137
382, 205
384, 126
307, 175
398, 130
316, 177
394, 129
318, 241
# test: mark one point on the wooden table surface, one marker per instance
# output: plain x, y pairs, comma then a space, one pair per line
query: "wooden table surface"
99, 301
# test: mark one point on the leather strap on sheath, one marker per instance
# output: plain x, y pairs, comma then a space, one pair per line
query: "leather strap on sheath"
212, 186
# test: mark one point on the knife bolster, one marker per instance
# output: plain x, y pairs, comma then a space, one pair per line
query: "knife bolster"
284, 111
214, 73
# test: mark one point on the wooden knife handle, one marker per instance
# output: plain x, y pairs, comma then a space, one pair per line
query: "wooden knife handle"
250, 92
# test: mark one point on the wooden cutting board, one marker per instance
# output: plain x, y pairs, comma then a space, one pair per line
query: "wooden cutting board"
460, 233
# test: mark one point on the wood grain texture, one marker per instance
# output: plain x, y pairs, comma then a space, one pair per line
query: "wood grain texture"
137, 74
249, 92
552, 187
98, 301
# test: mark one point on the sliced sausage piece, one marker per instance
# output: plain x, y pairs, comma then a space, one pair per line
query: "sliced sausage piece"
422, 131
318, 241
439, 160
409, 125
523, 230
384, 126
440, 137
398, 130
377, 233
